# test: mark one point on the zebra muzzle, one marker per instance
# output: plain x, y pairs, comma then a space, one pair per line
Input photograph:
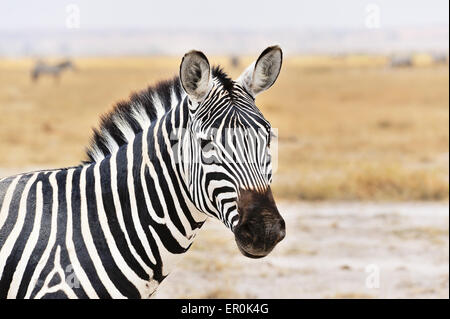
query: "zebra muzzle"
260, 227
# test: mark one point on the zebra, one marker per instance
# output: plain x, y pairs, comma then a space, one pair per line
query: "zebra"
401, 61
41, 68
234, 61
158, 165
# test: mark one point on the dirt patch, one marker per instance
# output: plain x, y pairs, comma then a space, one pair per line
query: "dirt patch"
332, 250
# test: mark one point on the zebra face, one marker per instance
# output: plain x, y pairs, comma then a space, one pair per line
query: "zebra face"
229, 161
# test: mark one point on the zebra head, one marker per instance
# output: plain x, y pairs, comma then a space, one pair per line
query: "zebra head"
227, 149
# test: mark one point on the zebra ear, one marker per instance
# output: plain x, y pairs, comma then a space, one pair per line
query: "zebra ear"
262, 74
195, 75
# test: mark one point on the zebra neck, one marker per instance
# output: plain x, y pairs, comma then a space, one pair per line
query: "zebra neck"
144, 189
157, 183
163, 168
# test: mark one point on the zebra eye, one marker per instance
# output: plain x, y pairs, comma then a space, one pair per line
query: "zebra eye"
204, 143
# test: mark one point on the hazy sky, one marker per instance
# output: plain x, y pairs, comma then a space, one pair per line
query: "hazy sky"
210, 14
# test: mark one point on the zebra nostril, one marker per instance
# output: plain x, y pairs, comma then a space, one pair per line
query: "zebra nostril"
278, 231
281, 235
281, 230
245, 234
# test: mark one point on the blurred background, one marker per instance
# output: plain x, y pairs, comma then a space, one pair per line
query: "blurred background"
361, 107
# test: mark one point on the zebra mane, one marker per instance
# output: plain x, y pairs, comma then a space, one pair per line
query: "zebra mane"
129, 117
224, 79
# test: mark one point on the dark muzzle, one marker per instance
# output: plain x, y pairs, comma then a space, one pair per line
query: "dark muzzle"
260, 225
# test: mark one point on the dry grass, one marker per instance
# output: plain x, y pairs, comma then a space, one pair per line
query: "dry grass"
350, 295
349, 128
220, 293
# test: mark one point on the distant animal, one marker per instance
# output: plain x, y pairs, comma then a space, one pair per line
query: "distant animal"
234, 61
162, 162
401, 61
440, 58
43, 68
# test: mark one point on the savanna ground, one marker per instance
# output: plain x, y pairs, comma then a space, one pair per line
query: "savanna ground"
362, 178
